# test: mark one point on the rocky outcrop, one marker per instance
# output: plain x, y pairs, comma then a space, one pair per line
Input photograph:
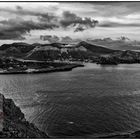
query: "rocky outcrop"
14, 123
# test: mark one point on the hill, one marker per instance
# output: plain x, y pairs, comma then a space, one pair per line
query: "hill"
95, 48
116, 44
16, 49
80, 51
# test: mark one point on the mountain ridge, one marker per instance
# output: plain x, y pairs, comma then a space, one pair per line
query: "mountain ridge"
82, 51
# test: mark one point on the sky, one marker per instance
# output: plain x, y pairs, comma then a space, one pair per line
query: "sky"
27, 21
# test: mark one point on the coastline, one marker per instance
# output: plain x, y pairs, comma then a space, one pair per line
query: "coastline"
66, 67
43, 70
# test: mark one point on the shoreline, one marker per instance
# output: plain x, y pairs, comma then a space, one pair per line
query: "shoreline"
68, 67
44, 70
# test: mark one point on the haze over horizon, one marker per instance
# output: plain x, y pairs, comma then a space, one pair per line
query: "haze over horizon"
27, 21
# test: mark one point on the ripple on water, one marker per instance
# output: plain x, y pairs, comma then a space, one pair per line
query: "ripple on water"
85, 102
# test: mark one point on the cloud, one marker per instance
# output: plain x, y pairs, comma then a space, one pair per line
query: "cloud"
115, 24
11, 35
79, 29
66, 39
19, 11
18, 7
54, 39
50, 38
80, 24
18, 26
110, 9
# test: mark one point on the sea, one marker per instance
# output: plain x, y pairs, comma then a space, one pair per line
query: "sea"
87, 102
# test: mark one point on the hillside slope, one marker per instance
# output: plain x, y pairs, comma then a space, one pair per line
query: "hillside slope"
54, 51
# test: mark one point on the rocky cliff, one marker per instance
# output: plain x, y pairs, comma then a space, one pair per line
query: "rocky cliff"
14, 124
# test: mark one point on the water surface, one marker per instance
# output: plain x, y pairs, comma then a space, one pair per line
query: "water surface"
83, 103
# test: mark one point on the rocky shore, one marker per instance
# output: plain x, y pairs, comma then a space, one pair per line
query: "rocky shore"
13, 123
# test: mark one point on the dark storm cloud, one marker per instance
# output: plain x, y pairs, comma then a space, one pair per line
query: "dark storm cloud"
79, 29
80, 24
16, 28
11, 35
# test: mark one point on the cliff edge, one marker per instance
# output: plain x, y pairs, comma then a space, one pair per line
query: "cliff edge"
13, 122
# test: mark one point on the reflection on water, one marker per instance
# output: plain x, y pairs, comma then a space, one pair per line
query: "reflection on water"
86, 102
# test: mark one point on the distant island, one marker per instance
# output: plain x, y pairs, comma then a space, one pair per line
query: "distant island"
17, 58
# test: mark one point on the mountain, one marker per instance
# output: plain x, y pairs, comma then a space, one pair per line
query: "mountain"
95, 48
16, 49
81, 51
116, 44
